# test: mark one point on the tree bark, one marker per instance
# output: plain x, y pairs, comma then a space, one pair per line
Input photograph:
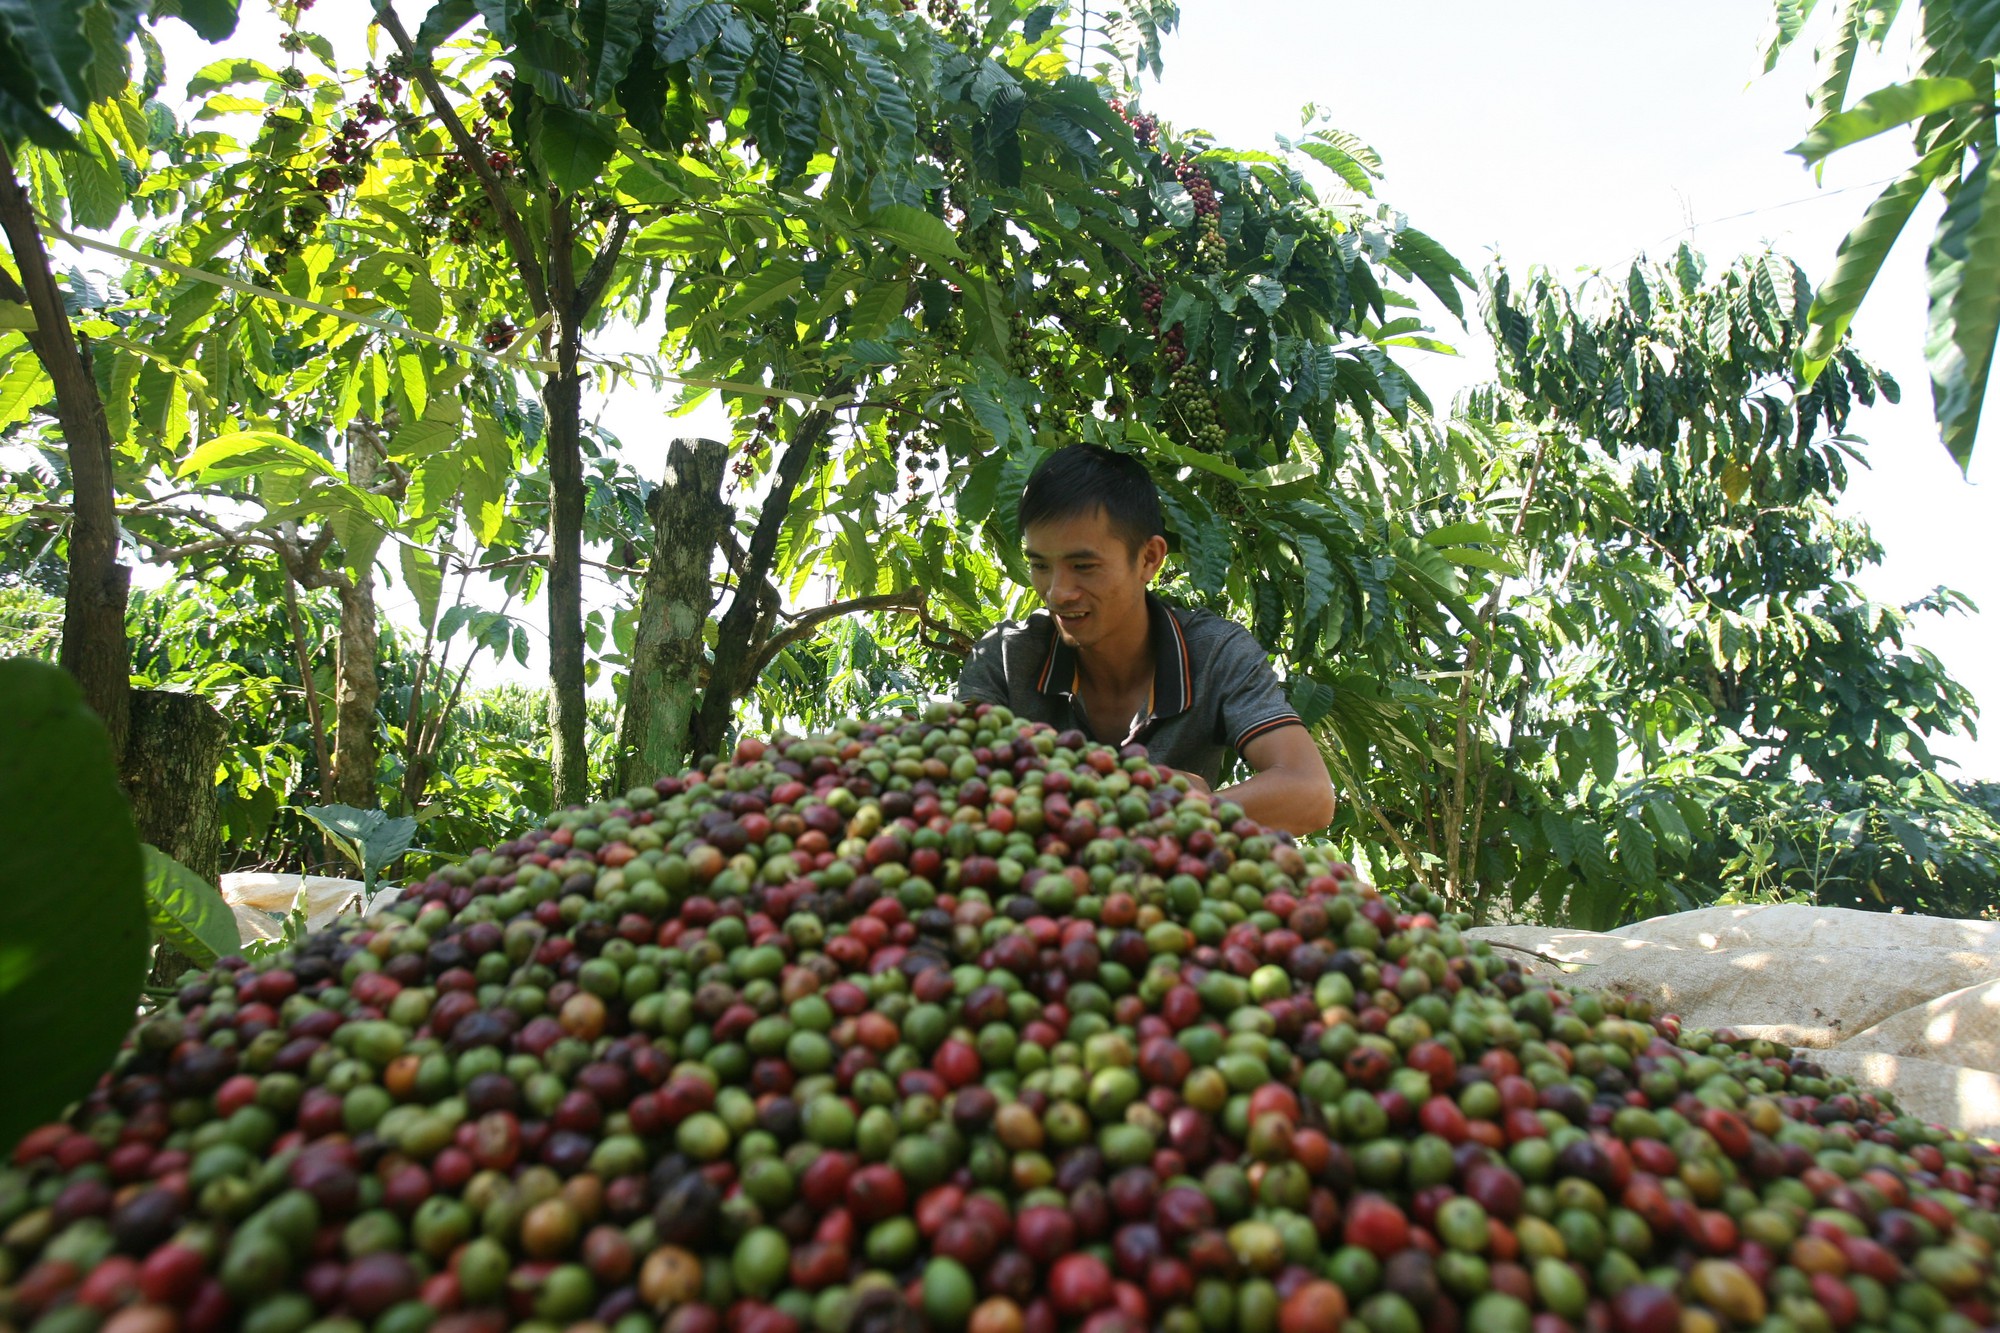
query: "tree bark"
356, 688
663, 691
562, 404
94, 649
736, 637
171, 757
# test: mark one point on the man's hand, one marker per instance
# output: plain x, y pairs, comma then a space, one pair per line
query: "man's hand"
1195, 781
1290, 788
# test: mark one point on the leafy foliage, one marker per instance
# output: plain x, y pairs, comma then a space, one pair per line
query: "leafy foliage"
1671, 664
72, 55
1949, 110
368, 838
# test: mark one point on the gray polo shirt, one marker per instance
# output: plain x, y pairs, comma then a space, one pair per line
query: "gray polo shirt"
1213, 688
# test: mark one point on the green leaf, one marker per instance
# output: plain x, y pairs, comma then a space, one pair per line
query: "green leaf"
241, 453
923, 235
1561, 836
1860, 258
95, 185
187, 912
212, 20
610, 31
1912, 838
424, 308
1788, 18
1831, 95
686, 27
1881, 111
990, 413
23, 388
424, 579
488, 466
1458, 534
73, 938
1602, 744
573, 147
1204, 542
360, 536
1673, 829
767, 286
1636, 853
1965, 308
784, 110
1592, 857
876, 306
220, 74
1176, 205
1267, 291
368, 838
1474, 558
1342, 162
974, 500
1978, 26
445, 18
47, 43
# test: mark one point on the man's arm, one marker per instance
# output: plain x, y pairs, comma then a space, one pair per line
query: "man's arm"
984, 677
1290, 788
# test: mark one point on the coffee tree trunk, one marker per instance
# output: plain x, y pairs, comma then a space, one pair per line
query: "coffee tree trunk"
663, 690
356, 688
562, 404
93, 643
171, 758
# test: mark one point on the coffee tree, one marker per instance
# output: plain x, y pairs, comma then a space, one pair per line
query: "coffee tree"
1671, 683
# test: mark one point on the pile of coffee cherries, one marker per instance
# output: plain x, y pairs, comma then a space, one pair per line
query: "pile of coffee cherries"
958, 1023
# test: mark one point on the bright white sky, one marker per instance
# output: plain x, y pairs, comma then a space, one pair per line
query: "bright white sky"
1573, 133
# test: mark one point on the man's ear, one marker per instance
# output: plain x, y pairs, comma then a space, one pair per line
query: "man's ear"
1152, 555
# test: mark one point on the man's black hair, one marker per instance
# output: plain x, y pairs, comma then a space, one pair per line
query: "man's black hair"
1082, 478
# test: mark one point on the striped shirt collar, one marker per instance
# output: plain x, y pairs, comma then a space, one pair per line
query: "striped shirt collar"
1173, 673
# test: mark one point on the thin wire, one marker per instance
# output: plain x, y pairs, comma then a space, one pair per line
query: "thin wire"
509, 356
1772, 208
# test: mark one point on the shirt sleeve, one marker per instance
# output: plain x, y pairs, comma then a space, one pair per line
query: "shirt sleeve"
984, 678
1251, 702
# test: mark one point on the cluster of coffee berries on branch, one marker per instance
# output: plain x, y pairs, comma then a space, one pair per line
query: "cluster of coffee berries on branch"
499, 334
1210, 249
951, 16
1191, 413
1145, 128
457, 207
1191, 410
954, 1023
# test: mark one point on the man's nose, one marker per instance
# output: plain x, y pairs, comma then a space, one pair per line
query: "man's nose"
1061, 587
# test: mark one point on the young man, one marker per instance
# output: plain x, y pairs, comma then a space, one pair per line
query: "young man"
1112, 660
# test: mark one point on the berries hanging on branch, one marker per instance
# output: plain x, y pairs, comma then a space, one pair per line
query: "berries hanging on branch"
499, 334
1211, 251
950, 15
1145, 128
1191, 415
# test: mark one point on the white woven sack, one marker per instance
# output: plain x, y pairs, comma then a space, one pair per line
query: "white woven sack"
276, 895
1796, 925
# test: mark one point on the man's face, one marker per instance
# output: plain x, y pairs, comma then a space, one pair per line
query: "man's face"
1089, 577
